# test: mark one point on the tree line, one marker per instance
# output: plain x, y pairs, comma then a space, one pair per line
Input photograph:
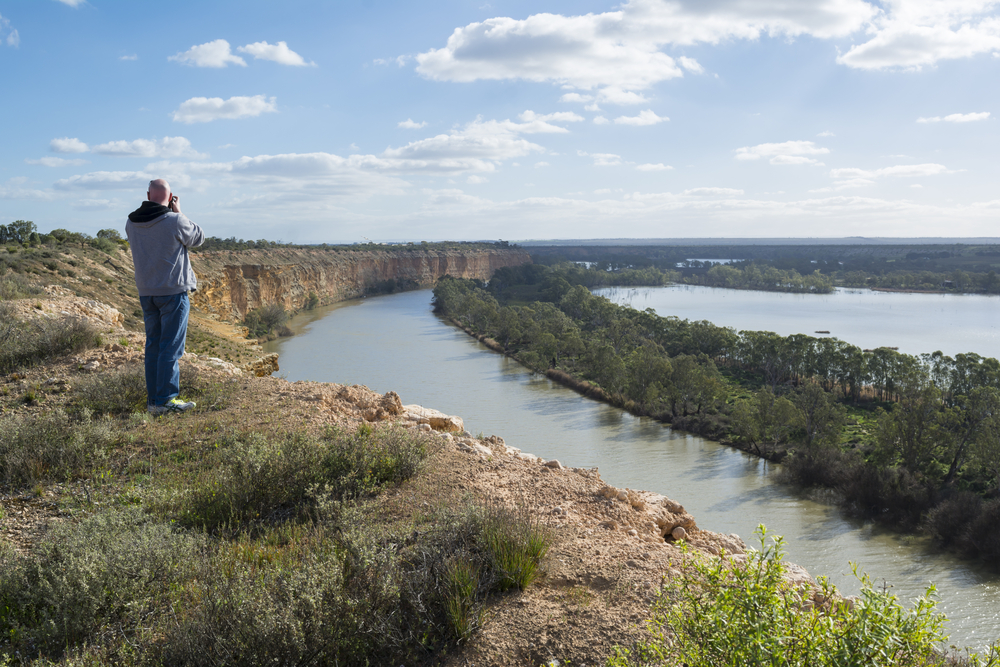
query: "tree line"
910, 440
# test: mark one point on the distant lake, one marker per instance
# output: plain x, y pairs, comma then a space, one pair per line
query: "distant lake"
915, 323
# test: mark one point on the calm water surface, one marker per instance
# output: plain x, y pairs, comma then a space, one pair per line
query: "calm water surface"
396, 343
915, 323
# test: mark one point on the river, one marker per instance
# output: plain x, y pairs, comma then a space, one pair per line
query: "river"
396, 343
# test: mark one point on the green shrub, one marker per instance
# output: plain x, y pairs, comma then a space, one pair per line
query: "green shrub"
52, 447
265, 319
727, 613
515, 542
15, 286
252, 477
117, 392
100, 577
26, 343
461, 592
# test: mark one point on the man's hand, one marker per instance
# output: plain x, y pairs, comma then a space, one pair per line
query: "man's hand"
174, 205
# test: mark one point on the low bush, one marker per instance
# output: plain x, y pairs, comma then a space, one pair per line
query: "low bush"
15, 286
890, 495
248, 478
99, 578
117, 392
820, 466
52, 447
265, 320
748, 614
514, 542
27, 343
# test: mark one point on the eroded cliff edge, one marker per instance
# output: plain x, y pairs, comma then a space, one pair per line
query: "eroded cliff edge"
231, 283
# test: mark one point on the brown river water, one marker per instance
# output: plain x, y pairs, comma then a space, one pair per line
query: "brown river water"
396, 343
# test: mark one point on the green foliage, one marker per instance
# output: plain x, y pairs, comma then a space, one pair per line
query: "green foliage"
247, 478
14, 286
769, 278
120, 391
765, 421
26, 343
312, 301
461, 590
265, 320
19, 231
730, 612
90, 579
52, 447
515, 542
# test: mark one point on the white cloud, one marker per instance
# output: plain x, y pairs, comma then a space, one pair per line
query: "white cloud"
787, 152
900, 171
209, 54
914, 34
576, 97
19, 188
72, 3
96, 204
602, 159
646, 117
794, 159
8, 35
476, 180
410, 124
592, 107
622, 48
131, 57
826, 133
601, 120
615, 95
106, 180
57, 162
917, 186
14, 38
957, 118
539, 165
536, 123
167, 147
279, 53
68, 145
691, 65
654, 167
206, 109
714, 192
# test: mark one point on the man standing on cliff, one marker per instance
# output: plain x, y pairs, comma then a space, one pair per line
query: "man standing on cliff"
160, 235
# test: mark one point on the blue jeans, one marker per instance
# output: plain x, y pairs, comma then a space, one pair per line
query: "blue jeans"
166, 319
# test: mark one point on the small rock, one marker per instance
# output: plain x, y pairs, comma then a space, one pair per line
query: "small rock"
553, 464
424, 427
678, 533
633, 533
530, 458
610, 524
92, 366
482, 450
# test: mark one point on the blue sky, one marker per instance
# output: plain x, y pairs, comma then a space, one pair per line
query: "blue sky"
313, 121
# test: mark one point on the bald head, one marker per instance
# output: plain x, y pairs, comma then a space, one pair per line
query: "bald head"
159, 192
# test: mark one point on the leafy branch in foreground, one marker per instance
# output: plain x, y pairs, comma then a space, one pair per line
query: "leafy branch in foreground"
745, 612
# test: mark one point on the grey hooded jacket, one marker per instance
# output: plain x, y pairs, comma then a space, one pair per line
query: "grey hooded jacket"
160, 240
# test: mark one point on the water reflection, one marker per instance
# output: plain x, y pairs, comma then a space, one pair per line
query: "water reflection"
396, 343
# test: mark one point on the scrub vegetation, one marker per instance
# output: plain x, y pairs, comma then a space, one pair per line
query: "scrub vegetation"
909, 441
746, 613
203, 541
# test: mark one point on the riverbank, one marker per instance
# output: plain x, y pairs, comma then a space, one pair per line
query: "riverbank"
611, 549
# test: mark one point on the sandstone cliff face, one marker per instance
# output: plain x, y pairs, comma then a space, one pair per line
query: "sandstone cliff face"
230, 284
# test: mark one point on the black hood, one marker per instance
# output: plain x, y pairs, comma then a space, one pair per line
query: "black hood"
148, 212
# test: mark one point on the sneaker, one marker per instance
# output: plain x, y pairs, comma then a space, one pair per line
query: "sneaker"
155, 409
177, 405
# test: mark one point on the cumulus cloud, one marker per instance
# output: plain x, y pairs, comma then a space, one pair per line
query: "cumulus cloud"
535, 123
622, 48
900, 171
410, 124
279, 53
207, 109
691, 65
957, 118
476, 180
615, 95
539, 165
646, 117
131, 57
826, 133
209, 54
714, 192
167, 147
602, 159
57, 162
14, 38
787, 152
913, 34
653, 167
601, 120
106, 180
72, 3
68, 145
576, 97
